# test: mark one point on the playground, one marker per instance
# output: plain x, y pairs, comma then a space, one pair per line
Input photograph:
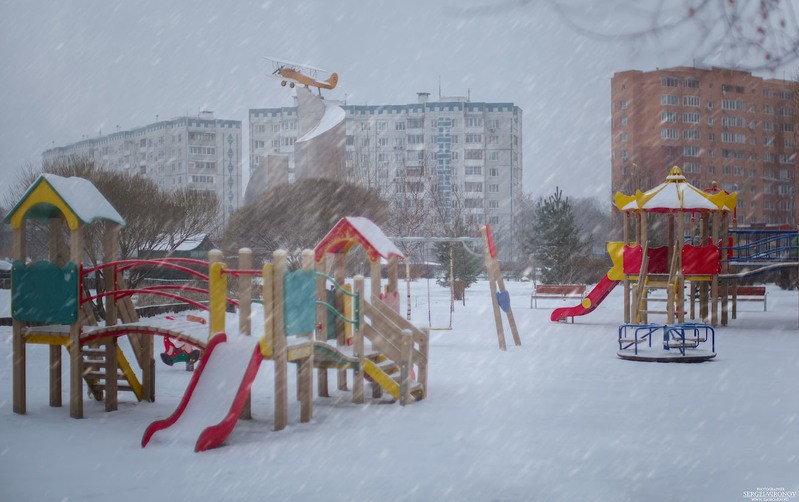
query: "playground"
554, 415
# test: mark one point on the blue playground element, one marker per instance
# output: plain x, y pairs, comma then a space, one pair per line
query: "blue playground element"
680, 336
503, 299
763, 246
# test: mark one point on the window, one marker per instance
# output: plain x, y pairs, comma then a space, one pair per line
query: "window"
690, 100
732, 104
202, 150
732, 121
668, 116
473, 203
492, 139
669, 99
259, 144
473, 170
768, 140
472, 187
623, 104
493, 204
691, 82
669, 134
493, 155
786, 127
623, 121
493, 188
623, 155
493, 172
690, 134
415, 123
415, 139
473, 154
399, 126
690, 151
730, 137
669, 82
691, 118
690, 167
382, 125
382, 141
623, 137
732, 154
473, 138
399, 142
493, 124
202, 179
474, 122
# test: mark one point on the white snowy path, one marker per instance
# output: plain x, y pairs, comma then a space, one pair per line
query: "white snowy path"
559, 418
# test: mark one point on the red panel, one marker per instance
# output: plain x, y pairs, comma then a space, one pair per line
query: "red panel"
632, 259
658, 260
701, 260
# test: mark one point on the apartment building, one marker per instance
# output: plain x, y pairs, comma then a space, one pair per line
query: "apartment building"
718, 124
470, 153
200, 153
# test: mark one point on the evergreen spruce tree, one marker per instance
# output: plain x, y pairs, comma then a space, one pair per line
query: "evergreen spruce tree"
555, 243
466, 266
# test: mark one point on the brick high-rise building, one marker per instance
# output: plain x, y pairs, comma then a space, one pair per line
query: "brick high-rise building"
718, 124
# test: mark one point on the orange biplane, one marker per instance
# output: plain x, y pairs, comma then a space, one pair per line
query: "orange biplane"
295, 73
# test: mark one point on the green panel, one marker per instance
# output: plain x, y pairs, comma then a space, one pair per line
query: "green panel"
300, 304
44, 292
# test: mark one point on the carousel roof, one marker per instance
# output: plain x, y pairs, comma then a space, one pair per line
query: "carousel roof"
675, 194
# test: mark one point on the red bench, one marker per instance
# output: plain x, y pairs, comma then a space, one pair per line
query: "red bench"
555, 292
751, 294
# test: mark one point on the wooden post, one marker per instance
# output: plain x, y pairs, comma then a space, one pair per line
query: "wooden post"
393, 264
110, 246
643, 301
75, 351
245, 292
111, 383
58, 255
703, 286
18, 377
725, 267
492, 285
321, 332
358, 346
339, 274
55, 375
376, 280
245, 309
714, 282
680, 277
279, 344
626, 239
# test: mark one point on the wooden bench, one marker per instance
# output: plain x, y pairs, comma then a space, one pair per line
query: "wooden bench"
556, 292
751, 294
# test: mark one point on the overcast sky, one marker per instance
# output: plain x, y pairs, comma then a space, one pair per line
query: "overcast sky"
73, 68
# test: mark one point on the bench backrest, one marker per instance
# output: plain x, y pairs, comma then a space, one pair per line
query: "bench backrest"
560, 289
751, 290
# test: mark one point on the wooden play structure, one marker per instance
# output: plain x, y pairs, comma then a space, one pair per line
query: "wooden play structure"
500, 298
401, 341
52, 306
691, 252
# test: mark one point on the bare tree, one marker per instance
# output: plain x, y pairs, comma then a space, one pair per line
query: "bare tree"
298, 215
764, 33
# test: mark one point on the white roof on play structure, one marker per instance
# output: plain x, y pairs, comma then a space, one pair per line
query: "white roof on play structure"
675, 194
357, 230
84, 198
333, 116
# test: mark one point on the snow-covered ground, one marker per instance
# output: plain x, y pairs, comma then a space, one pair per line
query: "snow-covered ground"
559, 418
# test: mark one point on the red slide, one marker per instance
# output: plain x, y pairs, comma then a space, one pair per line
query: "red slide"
589, 303
195, 377
215, 435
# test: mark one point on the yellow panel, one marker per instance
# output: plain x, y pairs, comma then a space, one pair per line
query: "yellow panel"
616, 252
44, 194
124, 365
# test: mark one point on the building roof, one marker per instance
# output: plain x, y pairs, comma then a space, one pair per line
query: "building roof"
357, 230
77, 199
675, 194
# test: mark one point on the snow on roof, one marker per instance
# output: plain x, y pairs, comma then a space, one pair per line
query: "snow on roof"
79, 195
188, 244
83, 197
353, 230
333, 116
